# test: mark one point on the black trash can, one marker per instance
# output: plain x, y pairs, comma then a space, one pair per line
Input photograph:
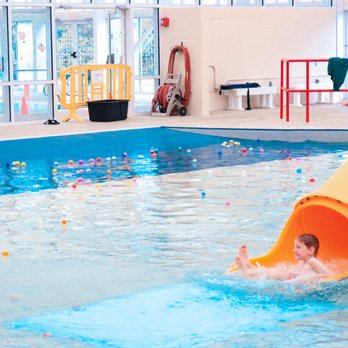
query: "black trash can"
108, 110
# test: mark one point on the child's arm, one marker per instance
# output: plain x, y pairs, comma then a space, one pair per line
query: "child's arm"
318, 267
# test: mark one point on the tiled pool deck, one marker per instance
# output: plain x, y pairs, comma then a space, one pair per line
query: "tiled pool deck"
322, 117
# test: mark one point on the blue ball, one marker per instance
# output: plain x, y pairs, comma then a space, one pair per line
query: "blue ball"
203, 194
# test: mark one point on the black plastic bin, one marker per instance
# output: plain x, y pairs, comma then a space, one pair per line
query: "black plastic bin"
107, 110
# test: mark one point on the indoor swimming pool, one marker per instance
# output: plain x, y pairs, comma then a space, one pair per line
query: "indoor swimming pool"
121, 239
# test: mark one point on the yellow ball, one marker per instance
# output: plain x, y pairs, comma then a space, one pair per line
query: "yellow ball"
64, 221
23, 164
5, 253
54, 171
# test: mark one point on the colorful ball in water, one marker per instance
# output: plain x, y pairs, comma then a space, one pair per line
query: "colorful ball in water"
125, 154
74, 186
99, 159
54, 171
194, 161
189, 150
244, 151
179, 148
219, 152
80, 179
23, 164
91, 160
5, 253
311, 180
152, 151
81, 162
70, 162
108, 159
203, 194
109, 172
227, 204
299, 171
64, 221
262, 151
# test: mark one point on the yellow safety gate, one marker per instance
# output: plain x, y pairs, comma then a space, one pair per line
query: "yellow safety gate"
83, 83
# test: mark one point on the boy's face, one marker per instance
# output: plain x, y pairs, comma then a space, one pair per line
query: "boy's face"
301, 252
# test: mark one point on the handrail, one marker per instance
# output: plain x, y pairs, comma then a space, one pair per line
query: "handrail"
82, 83
285, 85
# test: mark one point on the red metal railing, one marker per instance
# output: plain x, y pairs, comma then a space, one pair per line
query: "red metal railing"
285, 75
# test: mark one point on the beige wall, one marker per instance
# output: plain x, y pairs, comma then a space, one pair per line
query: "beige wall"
243, 44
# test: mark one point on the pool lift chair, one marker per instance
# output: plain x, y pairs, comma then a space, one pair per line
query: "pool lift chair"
323, 213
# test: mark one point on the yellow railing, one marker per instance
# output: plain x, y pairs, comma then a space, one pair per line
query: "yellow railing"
83, 83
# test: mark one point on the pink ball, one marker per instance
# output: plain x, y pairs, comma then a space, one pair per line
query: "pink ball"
80, 179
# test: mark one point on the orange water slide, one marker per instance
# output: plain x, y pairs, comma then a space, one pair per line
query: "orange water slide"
323, 213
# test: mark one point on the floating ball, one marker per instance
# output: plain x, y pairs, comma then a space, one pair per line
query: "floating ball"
203, 194
154, 155
224, 144
113, 157
108, 159
54, 171
194, 161
125, 155
109, 171
179, 148
99, 159
5, 253
311, 180
227, 204
152, 151
88, 170
74, 186
7, 165
17, 163
81, 162
23, 164
219, 152
188, 150
251, 149
140, 156
299, 171
70, 162
64, 221
244, 150
262, 151
289, 158
231, 142
80, 179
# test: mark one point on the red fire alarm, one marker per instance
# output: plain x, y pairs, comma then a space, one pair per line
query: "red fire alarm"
165, 22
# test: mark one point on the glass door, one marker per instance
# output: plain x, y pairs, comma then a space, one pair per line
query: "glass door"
31, 70
146, 60
74, 42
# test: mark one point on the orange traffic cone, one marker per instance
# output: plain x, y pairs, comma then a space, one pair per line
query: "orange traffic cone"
26, 92
24, 107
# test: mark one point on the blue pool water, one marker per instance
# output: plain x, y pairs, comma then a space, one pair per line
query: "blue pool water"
201, 311
176, 152
141, 261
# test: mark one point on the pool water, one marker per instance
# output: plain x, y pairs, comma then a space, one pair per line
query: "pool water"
140, 262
